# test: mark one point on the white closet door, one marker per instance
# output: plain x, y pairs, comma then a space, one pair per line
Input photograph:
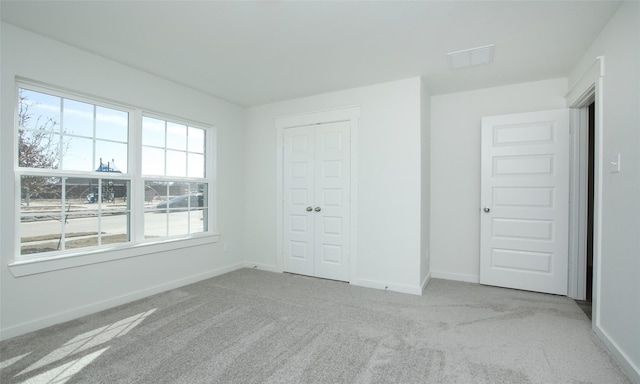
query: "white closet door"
332, 182
316, 200
299, 197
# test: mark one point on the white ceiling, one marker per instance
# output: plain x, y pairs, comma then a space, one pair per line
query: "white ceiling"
253, 53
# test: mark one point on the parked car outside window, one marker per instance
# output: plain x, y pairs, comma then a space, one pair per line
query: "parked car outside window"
182, 201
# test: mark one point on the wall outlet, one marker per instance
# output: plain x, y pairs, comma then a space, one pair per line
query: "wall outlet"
225, 247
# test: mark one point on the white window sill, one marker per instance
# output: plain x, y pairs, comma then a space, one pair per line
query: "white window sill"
28, 267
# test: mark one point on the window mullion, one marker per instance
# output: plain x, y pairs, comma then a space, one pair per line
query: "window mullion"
93, 143
137, 193
63, 213
61, 136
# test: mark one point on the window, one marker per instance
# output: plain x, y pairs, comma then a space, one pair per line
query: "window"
83, 184
173, 168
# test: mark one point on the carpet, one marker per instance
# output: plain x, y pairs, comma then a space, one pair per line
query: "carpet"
252, 326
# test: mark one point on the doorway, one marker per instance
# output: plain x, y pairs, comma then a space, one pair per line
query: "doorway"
586, 304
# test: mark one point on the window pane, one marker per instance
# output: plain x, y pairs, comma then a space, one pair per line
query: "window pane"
112, 124
40, 193
196, 140
74, 148
85, 225
40, 233
152, 161
176, 136
203, 189
155, 217
114, 227
176, 163
155, 224
116, 192
78, 154
197, 223
196, 165
38, 149
81, 230
175, 208
178, 223
111, 157
38, 110
80, 192
78, 118
40, 213
153, 132
154, 193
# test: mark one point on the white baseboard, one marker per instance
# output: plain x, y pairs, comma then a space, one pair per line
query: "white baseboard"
414, 290
629, 367
263, 267
34, 325
455, 276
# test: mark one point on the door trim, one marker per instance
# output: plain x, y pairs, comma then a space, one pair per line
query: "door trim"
588, 88
350, 114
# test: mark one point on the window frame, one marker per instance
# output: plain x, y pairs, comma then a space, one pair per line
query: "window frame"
137, 245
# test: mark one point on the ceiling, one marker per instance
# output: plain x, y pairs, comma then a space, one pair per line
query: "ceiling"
253, 53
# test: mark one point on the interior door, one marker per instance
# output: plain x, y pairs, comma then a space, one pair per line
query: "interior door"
524, 201
316, 200
299, 198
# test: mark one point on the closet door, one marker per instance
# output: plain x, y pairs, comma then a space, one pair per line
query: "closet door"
299, 198
316, 200
332, 192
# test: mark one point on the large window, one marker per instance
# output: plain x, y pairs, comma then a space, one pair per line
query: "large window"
84, 184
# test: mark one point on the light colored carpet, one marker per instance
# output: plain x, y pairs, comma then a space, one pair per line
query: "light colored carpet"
252, 326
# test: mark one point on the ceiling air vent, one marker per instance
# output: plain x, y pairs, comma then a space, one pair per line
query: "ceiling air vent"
471, 57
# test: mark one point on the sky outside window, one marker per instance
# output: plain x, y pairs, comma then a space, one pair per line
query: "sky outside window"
84, 132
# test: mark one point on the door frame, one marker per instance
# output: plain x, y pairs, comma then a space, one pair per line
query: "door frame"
350, 114
586, 89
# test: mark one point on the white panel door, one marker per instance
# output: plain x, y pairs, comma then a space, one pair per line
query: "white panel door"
525, 201
299, 197
316, 200
332, 200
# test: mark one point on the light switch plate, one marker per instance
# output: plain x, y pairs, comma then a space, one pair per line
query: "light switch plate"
614, 164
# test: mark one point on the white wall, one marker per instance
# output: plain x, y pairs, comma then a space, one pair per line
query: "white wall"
39, 300
617, 317
389, 181
455, 167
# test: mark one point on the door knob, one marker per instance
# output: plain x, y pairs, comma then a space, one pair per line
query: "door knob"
487, 209
309, 209
318, 209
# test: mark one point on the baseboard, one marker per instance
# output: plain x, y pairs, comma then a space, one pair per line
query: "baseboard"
629, 367
263, 267
414, 290
455, 276
72, 314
